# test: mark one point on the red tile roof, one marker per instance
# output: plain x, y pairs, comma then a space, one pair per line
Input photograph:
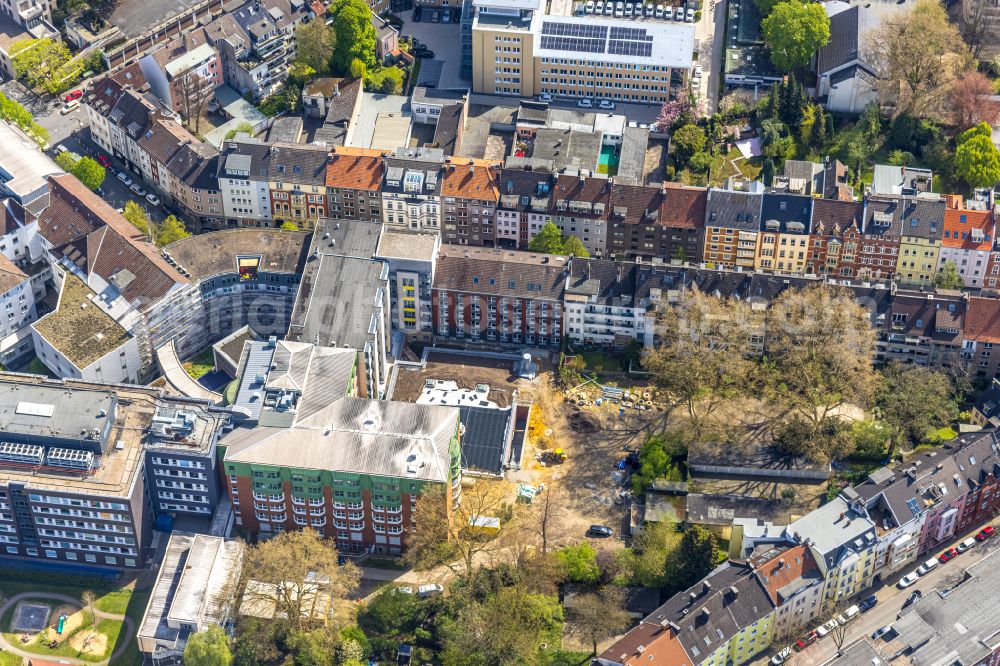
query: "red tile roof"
683, 207
982, 319
959, 226
355, 169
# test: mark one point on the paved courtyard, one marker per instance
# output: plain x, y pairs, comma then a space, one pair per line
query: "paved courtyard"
444, 39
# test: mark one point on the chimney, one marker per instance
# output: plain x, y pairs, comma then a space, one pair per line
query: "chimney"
705, 613
708, 587
781, 562
733, 591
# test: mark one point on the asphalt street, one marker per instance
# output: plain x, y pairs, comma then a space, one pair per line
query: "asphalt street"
890, 602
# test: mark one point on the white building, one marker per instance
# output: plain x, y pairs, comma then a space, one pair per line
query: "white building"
600, 305
968, 240
243, 168
411, 189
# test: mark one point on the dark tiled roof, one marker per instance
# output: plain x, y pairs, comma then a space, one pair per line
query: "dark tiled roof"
923, 218
300, 165
928, 316
607, 282
787, 210
636, 204
844, 45
575, 188
164, 138
514, 184
831, 216
884, 217
500, 273
733, 210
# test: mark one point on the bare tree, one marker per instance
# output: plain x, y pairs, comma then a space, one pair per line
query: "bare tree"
976, 25
195, 91
839, 635
544, 514
87, 598
600, 615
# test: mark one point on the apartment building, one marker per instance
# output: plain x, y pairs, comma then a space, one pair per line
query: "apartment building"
519, 50
411, 259
71, 482
523, 206
469, 195
157, 146
967, 242
666, 222
579, 206
184, 72
600, 305
981, 337
836, 238
297, 182
19, 20
922, 224
793, 583
785, 223
732, 228
925, 329
883, 229
499, 296
411, 189
194, 186
353, 184
243, 183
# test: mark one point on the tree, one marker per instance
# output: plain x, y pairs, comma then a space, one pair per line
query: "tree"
135, 214
656, 458
670, 113
820, 346
580, 561
355, 35
976, 25
696, 556
39, 62
794, 31
600, 615
916, 56
314, 44
89, 172
948, 277
295, 571
765, 6
208, 648
66, 161
288, 225
687, 141
357, 69
972, 101
87, 599
574, 246
651, 558
767, 173
701, 361
547, 240
194, 92
456, 540
977, 160
170, 231
865, 137
912, 400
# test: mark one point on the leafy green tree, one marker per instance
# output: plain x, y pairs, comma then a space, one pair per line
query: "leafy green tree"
687, 141
767, 172
39, 62
314, 44
289, 226
912, 399
656, 458
66, 162
948, 277
89, 172
573, 245
170, 231
355, 35
900, 158
547, 240
391, 613
580, 561
817, 130
357, 70
696, 555
977, 160
765, 6
871, 438
208, 648
392, 81
135, 214
651, 558
794, 31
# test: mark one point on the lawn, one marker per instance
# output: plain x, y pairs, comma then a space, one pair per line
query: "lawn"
114, 602
202, 364
7, 659
65, 648
600, 362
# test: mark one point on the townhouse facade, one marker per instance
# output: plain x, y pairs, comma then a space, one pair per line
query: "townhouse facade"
579, 206
469, 196
297, 184
411, 189
836, 238
353, 184
665, 223
921, 228
732, 228
968, 240
785, 224
522, 207
243, 183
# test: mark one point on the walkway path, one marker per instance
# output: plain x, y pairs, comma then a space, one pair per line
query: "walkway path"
66, 599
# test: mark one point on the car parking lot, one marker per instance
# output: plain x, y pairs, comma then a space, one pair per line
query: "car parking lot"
444, 40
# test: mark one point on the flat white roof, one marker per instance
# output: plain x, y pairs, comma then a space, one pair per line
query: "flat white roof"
532, 5
615, 41
185, 62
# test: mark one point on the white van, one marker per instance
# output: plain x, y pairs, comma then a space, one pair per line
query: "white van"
927, 566
589, 7
849, 615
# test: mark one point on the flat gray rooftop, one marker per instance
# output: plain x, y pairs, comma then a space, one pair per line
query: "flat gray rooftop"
50, 411
134, 17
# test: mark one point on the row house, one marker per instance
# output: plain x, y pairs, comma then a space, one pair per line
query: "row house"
297, 182
194, 186
836, 238
522, 207
665, 223
923, 328
785, 222
411, 189
469, 195
157, 146
579, 206
882, 230
792, 580
353, 184
921, 228
102, 96
732, 228
184, 73
242, 174
600, 304
499, 296
968, 239
992, 279
981, 338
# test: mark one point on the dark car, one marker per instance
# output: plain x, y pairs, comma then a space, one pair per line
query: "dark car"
868, 603
806, 641
417, 13
600, 531
949, 554
910, 600
985, 533
425, 54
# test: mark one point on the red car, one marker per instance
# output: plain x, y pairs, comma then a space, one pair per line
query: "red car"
985, 533
104, 160
76, 94
947, 555
806, 641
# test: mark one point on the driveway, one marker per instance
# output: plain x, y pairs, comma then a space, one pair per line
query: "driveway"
445, 40
709, 33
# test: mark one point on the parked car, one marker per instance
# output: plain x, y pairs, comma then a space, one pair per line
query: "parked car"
100, 192
826, 628
404, 590
104, 161
606, 104
868, 604
600, 531
138, 189
429, 590
879, 633
678, 14
650, 10
908, 580
544, 97
849, 615
153, 199
910, 600
417, 13
589, 7
585, 103
967, 544
76, 94
659, 11
805, 641
629, 9
69, 106
927, 567
985, 533
689, 17
60, 149
949, 554
425, 54
698, 70
122, 176
782, 655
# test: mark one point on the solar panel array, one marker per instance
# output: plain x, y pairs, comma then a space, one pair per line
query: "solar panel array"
596, 39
